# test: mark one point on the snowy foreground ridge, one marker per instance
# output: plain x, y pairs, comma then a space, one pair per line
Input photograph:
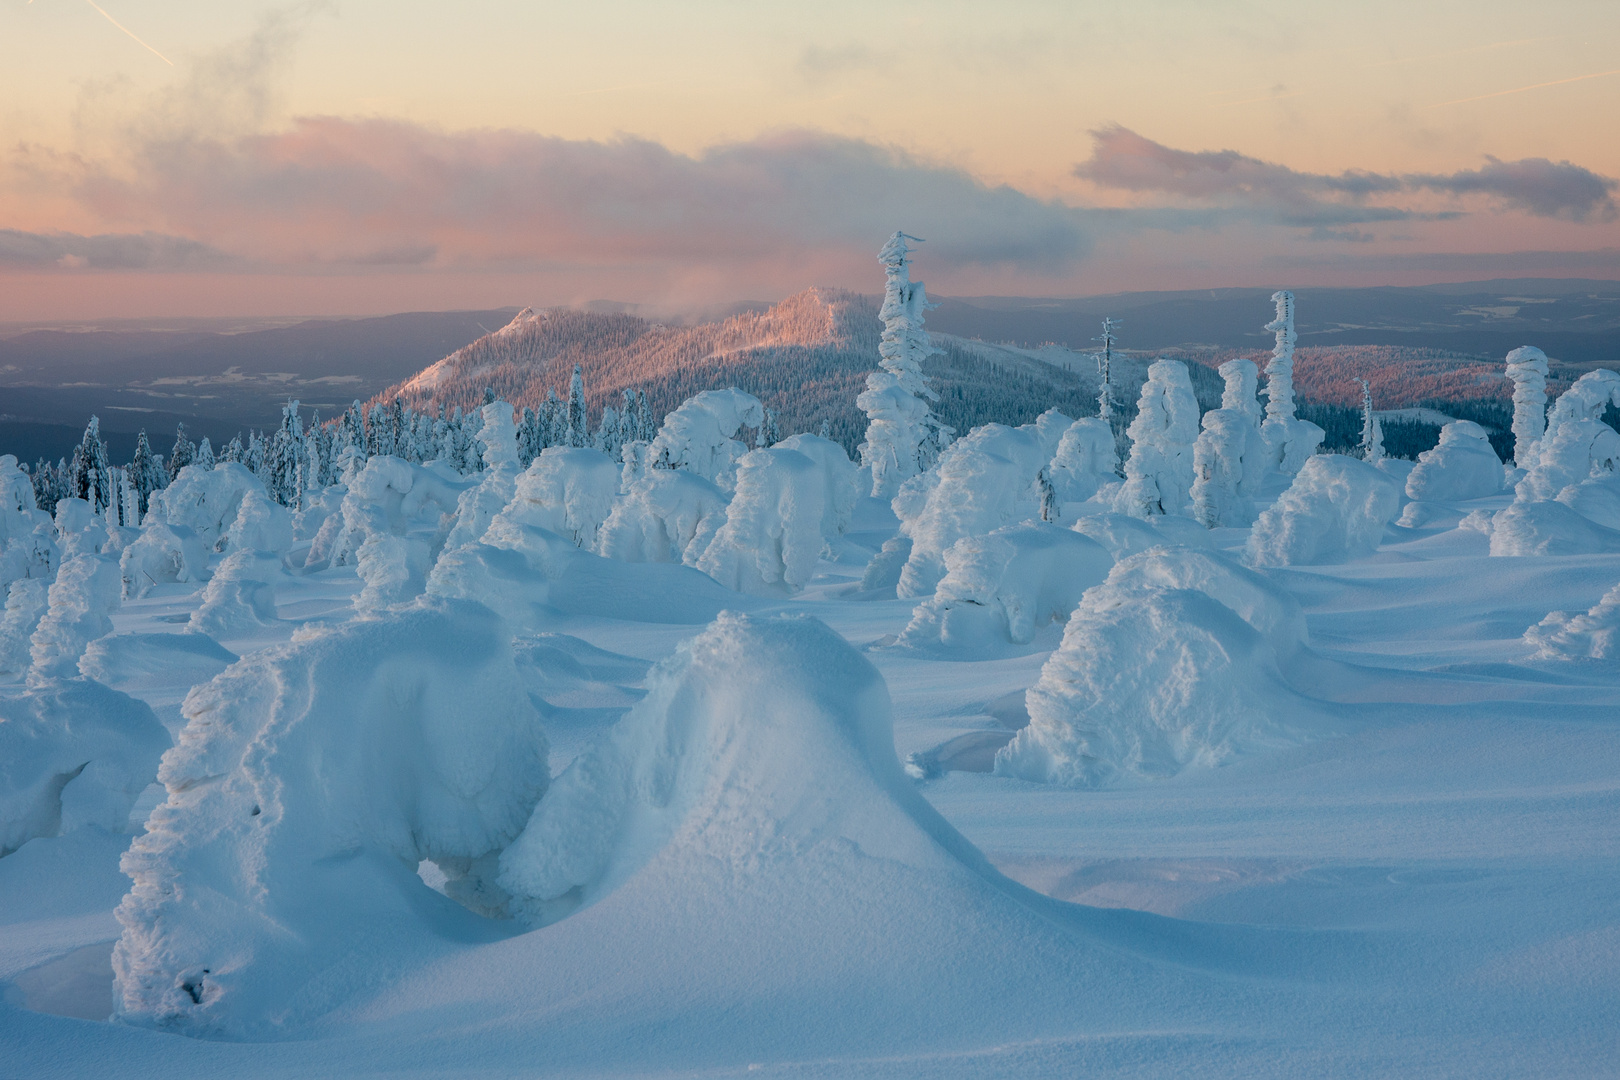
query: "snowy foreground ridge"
1215, 757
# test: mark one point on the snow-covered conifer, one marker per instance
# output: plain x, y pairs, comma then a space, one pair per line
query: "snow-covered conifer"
903, 437
1159, 473
700, 435
1527, 367
1289, 439
1371, 448
772, 535
1105, 372
80, 602
578, 431
181, 454
1229, 458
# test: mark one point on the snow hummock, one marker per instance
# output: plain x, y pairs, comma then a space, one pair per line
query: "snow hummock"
310, 781
1085, 459
1124, 536
1002, 587
1175, 662
1335, 509
1460, 467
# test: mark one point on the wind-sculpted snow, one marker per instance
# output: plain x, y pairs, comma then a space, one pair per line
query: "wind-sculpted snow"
1175, 662
771, 538
1159, 472
1462, 466
982, 482
81, 600
1085, 460
1335, 510
1527, 368
569, 491
1548, 527
72, 753
665, 515
261, 524
838, 480
1125, 536
240, 599
205, 500
1591, 635
309, 782
509, 582
27, 546
1229, 457
26, 604
162, 554
700, 435
1002, 587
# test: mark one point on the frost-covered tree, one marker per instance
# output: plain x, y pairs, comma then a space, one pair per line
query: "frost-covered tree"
903, 438
205, 455
234, 451
145, 472
1159, 473
1371, 449
182, 453
1105, 369
646, 426
1289, 439
1229, 458
1527, 367
578, 432
768, 434
87, 477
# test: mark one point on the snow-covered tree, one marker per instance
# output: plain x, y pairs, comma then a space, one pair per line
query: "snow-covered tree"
146, 472
205, 455
182, 453
1371, 448
1289, 439
1527, 367
1229, 458
903, 438
1105, 368
1159, 473
578, 432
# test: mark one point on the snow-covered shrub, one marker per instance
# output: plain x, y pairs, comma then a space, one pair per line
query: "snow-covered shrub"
310, 781
838, 480
1159, 472
982, 482
241, 596
1527, 367
204, 500
771, 538
567, 490
1085, 459
1335, 509
1124, 536
1548, 527
666, 515
81, 600
162, 554
1004, 586
1229, 456
261, 524
1176, 661
26, 604
1594, 635
699, 435
72, 753
1460, 467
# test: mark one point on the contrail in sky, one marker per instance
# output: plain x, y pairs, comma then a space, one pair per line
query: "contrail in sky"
1522, 89
128, 31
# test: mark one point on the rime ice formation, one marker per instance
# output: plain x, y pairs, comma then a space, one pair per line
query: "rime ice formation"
1002, 587
1335, 509
309, 782
205, 500
1461, 466
1229, 456
982, 482
700, 436
771, 538
569, 491
81, 600
162, 554
479, 504
390, 519
241, 596
1085, 460
1159, 471
1592, 635
666, 515
838, 481
27, 548
902, 436
1290, 440
1174, 662
261, 524
26, 604
1527, 368
72, 753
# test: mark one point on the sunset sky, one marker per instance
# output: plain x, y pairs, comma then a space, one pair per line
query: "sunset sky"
175, 157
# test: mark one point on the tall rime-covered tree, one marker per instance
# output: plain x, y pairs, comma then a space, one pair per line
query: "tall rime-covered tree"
578, 433
87, 472
145, 472
182, 453
903, 437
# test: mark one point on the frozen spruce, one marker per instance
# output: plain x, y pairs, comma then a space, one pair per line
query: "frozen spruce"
1527, 368
1159, 473
1291, 441
701, 435
80, 603
1461, 466
1085, 460
1336, 509
771, 538
1229, 456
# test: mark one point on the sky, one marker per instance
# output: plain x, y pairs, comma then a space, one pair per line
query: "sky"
177, 157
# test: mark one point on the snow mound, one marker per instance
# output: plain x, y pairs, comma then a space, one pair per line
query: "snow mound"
1594, 635
1085, 459
1002, 587
310, 781
1175, 662
838, 475
204, 500
26, 544
1548, 528
981, 482
80, 605
1230, 457
1159, 471
1460, 467
161, 554
772, 538
506, 581
72, 753
240, 599
666, 515
699, 435
569, 491
26, 603
1124, 536
261, 524
1335, 510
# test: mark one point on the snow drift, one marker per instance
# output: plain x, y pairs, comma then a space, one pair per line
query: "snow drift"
1002, 587
1335, 510
1175, 662
309, 782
